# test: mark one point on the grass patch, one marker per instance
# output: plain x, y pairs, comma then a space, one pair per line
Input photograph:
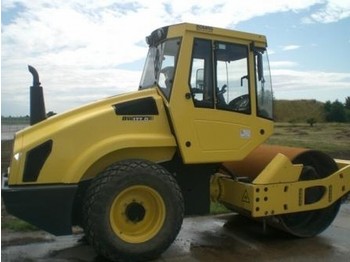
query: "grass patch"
331, 138
217, 208
16, 224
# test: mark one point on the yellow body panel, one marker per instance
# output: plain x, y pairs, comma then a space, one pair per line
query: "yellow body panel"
275, 192
93, 137
342, 162
280, 164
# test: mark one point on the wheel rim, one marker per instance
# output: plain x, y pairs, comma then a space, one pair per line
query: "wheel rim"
137, 214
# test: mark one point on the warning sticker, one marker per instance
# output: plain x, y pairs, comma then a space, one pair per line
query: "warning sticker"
245, 133
245, 197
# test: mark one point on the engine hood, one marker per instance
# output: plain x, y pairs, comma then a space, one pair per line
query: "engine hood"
77, 138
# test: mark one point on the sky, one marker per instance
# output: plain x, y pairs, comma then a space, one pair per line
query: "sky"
88, 50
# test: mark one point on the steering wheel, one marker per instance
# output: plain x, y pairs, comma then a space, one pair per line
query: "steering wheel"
241, 103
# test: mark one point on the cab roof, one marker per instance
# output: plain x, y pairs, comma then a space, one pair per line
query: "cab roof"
181, 29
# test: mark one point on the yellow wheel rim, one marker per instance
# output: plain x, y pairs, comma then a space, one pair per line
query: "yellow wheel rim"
137, 214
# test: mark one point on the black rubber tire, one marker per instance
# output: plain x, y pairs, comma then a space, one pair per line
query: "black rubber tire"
104, 190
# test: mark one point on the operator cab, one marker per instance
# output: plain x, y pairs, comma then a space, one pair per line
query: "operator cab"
214, 79
224, 86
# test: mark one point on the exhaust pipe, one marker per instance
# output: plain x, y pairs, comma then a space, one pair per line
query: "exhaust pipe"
37, 104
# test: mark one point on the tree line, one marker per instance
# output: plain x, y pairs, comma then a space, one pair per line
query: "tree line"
337, 111
15, 120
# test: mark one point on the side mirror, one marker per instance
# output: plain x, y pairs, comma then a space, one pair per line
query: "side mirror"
200, 78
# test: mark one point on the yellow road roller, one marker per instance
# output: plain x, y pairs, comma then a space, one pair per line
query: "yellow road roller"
128, 168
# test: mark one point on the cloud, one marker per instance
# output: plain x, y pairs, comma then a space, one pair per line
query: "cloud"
330, 12
72, 48
289, 83
290, 47
282, 64
80, 48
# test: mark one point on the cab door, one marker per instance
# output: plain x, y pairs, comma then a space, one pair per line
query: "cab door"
212, 106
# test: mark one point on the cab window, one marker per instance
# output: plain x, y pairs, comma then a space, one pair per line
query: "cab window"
160, 66
229, 90
232, 81
263, 86
167, 61
201, 82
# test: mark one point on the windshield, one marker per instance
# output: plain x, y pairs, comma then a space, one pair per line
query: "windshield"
264, 85
149, 73
159, 67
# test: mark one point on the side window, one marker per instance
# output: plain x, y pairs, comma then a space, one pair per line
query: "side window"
264, 86
232, 81
167, 59
201, 82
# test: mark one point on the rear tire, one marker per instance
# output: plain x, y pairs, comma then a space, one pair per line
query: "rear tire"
133, 211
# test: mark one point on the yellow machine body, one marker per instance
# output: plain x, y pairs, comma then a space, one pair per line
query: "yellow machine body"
129, 167
88, 139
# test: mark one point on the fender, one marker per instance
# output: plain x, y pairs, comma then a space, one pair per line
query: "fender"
114, 149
